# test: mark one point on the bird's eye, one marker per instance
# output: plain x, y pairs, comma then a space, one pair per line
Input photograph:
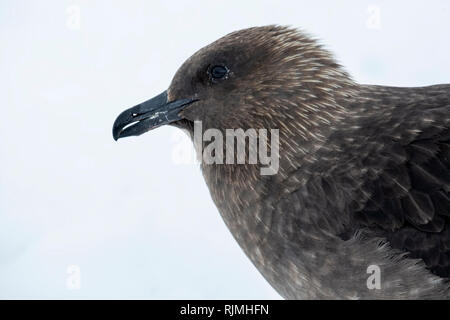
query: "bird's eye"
218, 72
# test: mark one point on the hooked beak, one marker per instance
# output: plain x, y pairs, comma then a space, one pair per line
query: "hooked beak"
148, 115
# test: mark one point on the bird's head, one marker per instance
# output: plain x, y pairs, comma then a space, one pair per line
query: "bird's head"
262, 77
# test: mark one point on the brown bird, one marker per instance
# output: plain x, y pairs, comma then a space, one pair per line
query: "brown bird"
359, 204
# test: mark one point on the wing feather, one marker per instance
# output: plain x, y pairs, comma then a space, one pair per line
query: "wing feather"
410, 200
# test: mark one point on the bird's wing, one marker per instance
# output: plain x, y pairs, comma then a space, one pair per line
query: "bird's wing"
409, 198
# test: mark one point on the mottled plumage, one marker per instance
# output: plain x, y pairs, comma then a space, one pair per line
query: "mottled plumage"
364, 170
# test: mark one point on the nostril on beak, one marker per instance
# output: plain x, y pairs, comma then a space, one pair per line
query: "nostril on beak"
137, 114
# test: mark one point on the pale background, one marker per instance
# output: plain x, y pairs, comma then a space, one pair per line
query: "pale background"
126, 218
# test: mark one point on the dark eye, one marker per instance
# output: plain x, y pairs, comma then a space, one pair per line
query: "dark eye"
218, 72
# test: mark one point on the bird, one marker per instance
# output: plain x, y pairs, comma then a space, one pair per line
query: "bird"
359, 206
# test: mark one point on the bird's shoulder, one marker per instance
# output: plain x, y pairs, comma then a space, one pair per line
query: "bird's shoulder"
404, 181
386, 172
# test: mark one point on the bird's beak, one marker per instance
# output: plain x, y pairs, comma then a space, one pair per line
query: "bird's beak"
148, 115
